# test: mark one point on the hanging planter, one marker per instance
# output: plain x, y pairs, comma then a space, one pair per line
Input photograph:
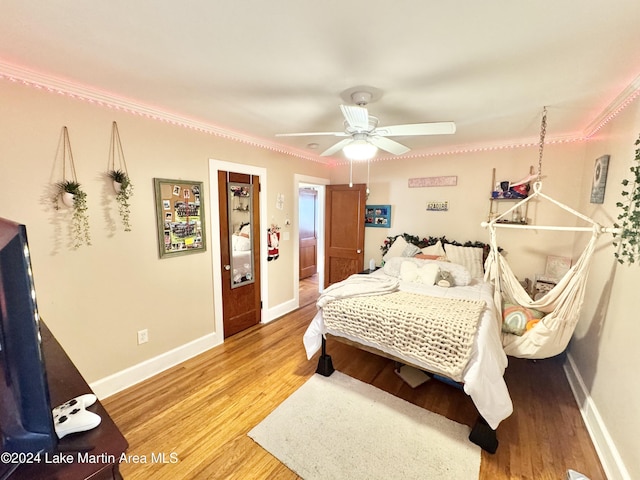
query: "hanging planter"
121, 182
628, 240
71, 194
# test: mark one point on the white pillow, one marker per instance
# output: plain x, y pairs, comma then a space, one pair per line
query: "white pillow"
469, 257
425, 274
460, 274
435, 249
408, 272
396, 249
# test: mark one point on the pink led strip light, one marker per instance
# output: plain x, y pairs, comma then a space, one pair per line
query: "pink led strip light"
107, 100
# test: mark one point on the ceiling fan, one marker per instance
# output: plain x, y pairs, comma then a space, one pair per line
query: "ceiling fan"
364, 137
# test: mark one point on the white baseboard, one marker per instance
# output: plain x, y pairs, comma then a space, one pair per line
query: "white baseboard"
280, 310
128, 377
607, 452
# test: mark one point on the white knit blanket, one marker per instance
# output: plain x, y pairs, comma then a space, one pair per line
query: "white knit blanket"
437, 331
356, 286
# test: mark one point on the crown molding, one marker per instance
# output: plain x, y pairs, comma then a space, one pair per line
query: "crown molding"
40, 81
623, 100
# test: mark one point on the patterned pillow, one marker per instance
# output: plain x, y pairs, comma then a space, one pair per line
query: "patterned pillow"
470, 257
410, 251
517, 319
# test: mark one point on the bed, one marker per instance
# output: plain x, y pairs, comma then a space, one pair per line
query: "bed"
460, 341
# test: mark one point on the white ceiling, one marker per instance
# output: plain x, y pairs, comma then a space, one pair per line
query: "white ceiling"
264, 67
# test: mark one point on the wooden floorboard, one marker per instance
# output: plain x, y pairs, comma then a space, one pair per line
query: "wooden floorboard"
202, 409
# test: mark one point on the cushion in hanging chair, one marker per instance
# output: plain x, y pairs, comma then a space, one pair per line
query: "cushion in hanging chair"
515, 318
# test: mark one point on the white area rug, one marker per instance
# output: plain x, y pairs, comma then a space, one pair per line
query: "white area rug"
340, 428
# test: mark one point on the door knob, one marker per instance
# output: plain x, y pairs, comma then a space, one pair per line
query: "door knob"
227, 267
359, 251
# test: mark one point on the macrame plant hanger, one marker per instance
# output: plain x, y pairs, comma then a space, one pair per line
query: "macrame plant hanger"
66, 147
115, 150
563, 303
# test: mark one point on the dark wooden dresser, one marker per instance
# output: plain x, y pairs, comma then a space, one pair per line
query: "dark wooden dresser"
95, 454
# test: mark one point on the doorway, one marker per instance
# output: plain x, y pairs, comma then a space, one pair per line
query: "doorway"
313, 284
239, 203
218, 266
308, 231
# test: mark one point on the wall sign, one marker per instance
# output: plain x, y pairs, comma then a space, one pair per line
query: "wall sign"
438, 206
599, 182
445, 181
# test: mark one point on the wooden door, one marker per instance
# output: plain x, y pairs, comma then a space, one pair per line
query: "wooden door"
344, 231
308, 215
241, 305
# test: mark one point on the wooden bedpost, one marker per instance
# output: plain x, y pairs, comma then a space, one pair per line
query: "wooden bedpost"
484, 436
325, 365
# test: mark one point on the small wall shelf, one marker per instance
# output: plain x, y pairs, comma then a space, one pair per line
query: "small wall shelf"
518, 217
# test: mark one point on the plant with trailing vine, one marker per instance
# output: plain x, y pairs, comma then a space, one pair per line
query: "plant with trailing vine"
79, 218
628, 239
123, 195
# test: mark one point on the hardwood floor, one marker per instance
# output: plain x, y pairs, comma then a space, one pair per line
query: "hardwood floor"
308, 291
201, 410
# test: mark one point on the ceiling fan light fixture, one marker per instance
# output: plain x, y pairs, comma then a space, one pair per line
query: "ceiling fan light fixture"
360, 150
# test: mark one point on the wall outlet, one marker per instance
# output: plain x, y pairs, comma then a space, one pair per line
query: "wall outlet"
143, 336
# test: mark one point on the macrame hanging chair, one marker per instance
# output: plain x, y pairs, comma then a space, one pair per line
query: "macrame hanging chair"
562, 304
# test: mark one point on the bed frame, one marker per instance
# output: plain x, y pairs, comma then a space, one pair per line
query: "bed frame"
481, 433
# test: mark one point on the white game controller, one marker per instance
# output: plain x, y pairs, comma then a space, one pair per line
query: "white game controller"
72, 416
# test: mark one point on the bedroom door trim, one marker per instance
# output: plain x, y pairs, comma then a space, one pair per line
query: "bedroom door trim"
298, 182
214, 166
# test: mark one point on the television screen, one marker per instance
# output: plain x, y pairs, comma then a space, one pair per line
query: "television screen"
26, 421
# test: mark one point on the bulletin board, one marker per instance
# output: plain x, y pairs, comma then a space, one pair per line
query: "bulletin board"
180, 217
377, 216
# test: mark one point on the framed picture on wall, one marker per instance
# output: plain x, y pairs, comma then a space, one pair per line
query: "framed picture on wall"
179, 217
599, 182
377, 216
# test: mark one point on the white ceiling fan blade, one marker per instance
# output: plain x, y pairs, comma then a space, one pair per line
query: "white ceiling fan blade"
356, 117
434, 128
388, 145
304, 134
337, 147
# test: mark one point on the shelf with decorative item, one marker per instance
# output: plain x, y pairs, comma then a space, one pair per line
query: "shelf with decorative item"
505, 192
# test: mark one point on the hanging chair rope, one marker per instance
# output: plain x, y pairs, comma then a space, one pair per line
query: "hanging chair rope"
543, 134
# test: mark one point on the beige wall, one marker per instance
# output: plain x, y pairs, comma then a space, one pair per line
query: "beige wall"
605, 346
469, 200
96, 298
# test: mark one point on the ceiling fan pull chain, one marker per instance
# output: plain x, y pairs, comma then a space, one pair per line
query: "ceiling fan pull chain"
350, 173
